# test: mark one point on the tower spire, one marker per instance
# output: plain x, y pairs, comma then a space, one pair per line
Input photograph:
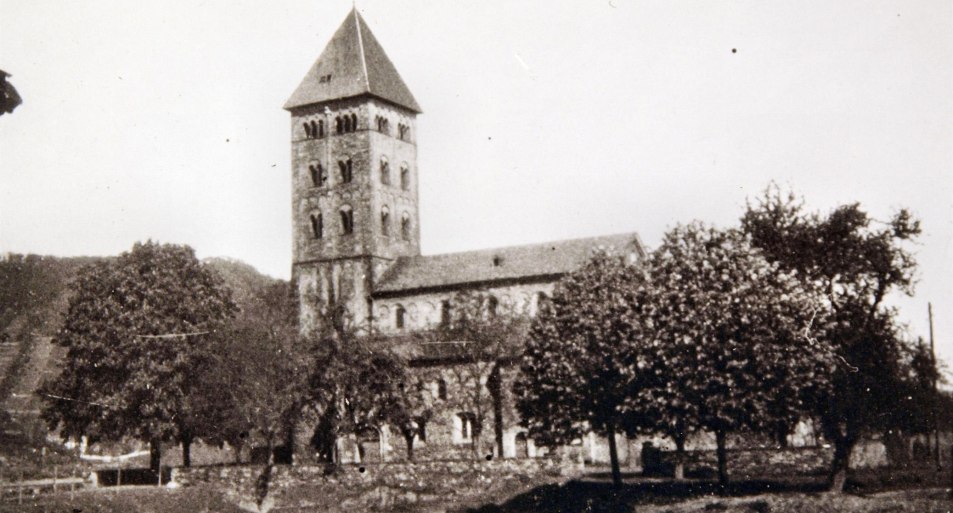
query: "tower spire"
352, 64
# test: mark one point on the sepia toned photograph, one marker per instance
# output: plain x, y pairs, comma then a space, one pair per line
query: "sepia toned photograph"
498, 257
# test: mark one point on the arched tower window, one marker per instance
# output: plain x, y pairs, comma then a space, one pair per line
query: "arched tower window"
404, 177
307, 130
400, 318
338, 125
317, 226
347, 123
345, 166
385, 221
347, 220
318, 175
320, 127
405, 226
353, 122
385, 171
314, 129
382, 125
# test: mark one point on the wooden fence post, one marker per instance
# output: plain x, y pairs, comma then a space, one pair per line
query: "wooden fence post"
54, 479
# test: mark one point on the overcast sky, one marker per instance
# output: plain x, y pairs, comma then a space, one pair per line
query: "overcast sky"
542, 120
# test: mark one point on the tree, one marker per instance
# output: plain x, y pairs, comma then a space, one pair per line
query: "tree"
918, 412
135, 330
357, 384
409, 410
857, 262
261, 364
738, 342
9, 98
482, 338
578, 370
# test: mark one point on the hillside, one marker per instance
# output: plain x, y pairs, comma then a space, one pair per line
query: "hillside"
244, 280
34, 294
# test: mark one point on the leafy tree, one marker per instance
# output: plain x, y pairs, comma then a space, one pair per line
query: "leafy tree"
857, 262
578, 370
917, 413
9, 98
738, 342
251, 386
135, 331
481, 339
357, 384
409, 410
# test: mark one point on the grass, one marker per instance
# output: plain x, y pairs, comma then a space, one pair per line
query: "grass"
130, 500
887, 490
909, 490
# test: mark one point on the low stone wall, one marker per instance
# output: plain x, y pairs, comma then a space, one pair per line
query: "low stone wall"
383, 473
769, 461
755, 463
354, 485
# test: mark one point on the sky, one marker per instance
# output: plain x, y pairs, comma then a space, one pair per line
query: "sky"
542, 120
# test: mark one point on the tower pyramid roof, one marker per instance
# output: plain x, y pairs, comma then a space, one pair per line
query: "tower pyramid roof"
352, 64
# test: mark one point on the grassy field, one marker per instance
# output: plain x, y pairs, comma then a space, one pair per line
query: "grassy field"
759, 497
128, 500
909, 501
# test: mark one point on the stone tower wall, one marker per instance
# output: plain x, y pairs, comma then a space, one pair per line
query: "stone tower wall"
344, 266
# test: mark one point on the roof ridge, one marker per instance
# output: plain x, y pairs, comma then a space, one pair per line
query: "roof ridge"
360, 43
497, 265
532, 244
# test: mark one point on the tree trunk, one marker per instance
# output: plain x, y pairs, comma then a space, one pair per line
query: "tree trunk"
841, 462
238, 454
155, 454
409, 439
614, 458
475, 446
781, 432
680, 457
496, 392
186, 450
722, 451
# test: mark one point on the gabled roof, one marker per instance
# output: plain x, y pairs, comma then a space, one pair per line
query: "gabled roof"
357, 65
516, 263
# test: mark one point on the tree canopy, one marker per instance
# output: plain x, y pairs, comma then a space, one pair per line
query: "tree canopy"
580, 364
705, 334
251, 384
737, 342
857, 261
135, 330
357, 384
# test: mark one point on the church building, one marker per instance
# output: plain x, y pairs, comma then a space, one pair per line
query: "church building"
356, 232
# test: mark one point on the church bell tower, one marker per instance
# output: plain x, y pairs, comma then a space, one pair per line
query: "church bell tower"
354, 175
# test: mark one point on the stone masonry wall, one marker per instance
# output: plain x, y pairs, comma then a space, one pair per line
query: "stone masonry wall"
754, 463
357, 488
